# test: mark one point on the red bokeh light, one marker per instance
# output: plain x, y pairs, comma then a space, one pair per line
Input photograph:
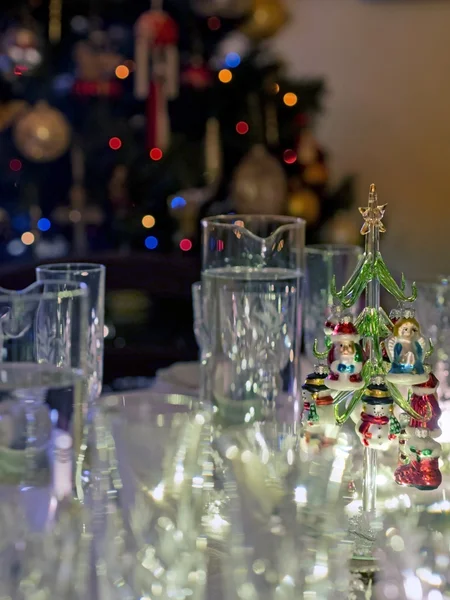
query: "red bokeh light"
186, 245
220, 245
214, 23
289, 157
242, 127
156, 154
115, 143
15, 164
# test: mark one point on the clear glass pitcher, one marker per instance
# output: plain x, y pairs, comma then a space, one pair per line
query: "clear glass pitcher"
252, 276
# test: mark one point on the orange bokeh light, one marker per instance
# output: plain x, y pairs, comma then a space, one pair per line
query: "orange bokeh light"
225, 76
122, 72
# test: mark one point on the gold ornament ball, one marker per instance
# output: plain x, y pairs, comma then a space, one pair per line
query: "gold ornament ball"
342, 229
315, 174
42, 134
304, 204
259, 184
266, 19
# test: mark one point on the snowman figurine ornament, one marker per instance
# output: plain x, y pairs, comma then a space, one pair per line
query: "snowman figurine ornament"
345, 358
406, 350
377, 425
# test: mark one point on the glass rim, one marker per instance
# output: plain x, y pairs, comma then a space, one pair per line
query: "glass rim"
322, 249
71, 267
226, 219
80, 290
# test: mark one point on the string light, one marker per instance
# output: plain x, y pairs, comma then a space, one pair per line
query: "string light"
186, 245
156, 154
44, 224
151, 242
15, 164
148, 221
178, 202
214, 23
289, 157
242, 127
290, 99
232, 60
225, 76
27, 238
122, 72
115, 143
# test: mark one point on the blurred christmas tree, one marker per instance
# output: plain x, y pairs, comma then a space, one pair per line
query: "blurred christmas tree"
123, 123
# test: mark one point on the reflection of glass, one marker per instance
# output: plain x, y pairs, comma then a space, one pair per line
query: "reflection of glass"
202, 335
162, 450
287, 524
43, 347
323, 261
258, 335
250, 255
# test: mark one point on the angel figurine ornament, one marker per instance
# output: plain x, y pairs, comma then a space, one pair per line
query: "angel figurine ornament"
406, 351
345, 358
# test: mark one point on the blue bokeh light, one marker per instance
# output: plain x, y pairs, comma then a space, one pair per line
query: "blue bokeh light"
232, 60
178, 202
151, 242
44, 224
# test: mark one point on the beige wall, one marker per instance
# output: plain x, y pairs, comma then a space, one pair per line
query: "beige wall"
387, 118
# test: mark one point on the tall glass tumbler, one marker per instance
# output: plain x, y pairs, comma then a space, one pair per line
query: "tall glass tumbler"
247, 258
43, 349
93, 276
323, 261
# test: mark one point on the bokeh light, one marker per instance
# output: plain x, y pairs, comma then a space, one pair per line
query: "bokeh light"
15, 164
289, 157
148, 221
186, 245
214, 23
44, 224
115, 143
122, 72
220, 245
156, 154
275, 88
232, 60
290, 99
178, 202
225, 76
151, 242
15, 247
27, 238
242, 127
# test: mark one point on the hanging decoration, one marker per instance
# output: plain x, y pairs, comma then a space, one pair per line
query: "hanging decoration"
266, 18
228, 9
157, 71
22, 49
259, 184
42, 134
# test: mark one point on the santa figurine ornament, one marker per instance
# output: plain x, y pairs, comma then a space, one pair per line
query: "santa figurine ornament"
345, 358
157, 70
406, 350
377, 426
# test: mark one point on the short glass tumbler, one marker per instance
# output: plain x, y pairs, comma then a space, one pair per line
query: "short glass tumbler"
248, 259
323, 262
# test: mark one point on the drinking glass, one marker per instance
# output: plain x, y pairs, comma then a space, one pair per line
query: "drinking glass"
92, 275
286, 513
162, 460
323, 261
43, 348
203, 337
249, 255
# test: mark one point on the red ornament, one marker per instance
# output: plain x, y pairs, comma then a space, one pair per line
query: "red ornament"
157, 71
197, 76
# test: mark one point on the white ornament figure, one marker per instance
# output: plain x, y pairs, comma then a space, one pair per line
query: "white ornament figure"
345, 358
406, 351
377, 426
